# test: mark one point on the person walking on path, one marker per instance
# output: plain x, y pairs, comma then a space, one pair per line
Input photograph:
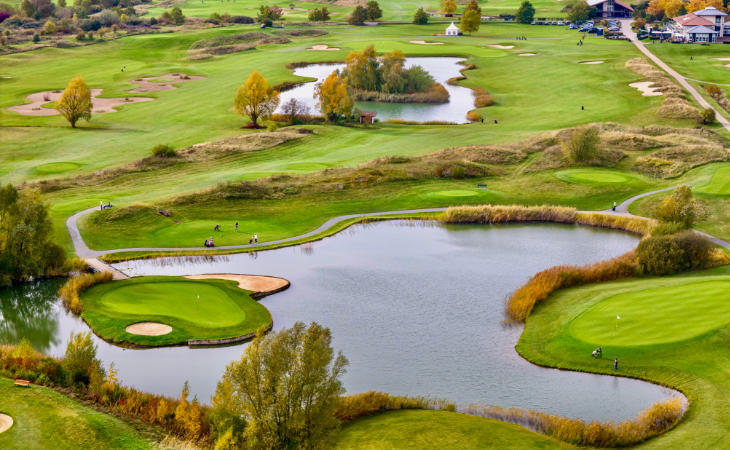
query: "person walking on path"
614, 206
615, 364
256, 238
101, 205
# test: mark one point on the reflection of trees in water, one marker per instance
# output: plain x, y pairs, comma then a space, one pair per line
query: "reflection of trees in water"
27, 311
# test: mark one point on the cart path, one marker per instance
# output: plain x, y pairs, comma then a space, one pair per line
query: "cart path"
627, 31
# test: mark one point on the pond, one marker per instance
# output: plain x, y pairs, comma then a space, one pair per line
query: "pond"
416, 307
441, 69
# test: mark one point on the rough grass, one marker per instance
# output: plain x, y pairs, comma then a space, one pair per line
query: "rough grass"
675, 104
506, 214
77, 284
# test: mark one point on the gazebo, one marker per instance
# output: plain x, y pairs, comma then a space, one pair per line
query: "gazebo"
452, 30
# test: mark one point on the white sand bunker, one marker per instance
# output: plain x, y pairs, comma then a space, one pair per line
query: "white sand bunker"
723, 59
426, 43
5, 422
526, 54
100, 105
501, 47
162, 83
255, 283
646, 88
323, 48
591, 62
727, 66
149, 329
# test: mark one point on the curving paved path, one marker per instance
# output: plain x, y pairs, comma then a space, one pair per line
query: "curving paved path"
627, 31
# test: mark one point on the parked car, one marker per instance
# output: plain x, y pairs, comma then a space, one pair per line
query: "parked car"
614, 29
573, 26
560, 23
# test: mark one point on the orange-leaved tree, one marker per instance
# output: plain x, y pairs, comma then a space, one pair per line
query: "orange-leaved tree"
75, 102
334, 99
255, 98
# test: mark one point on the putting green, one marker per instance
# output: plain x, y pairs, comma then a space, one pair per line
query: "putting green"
453, 193
719, 184
593, 176
656, 315
195, 309
56, 167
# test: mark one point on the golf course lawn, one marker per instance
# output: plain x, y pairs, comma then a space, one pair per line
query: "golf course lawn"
195, 309
697, 365
44, 418
594, 176
656, 315
426, 429
719, 183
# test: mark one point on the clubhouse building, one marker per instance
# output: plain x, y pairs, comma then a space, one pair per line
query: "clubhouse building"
611, 9
705, 25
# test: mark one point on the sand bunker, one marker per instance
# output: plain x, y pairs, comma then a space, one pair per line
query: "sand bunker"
100, 105
646, 88
255, 283
501, 47
161, 83
723, 59
149, 329
5, 422
727, 66
526, 54
426, 43
591, 62
323, 48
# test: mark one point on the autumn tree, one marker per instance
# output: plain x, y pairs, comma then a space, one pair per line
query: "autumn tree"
286, 386
373, 11
679, 207
269, 14
255, 98
448, 6
472, 17
75, 102
526, 13
421, 17
333, 97
362, 69
696, 5
319, 15
80, 361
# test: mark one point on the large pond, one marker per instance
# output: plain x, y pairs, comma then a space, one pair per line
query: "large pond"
416, 307
440, 68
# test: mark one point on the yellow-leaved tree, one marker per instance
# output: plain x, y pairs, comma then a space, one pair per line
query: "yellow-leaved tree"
448, 6
255, 98
696, 5
75, 102
334, 99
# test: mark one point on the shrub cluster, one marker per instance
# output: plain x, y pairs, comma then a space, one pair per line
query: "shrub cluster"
481, 98
638, 225
678, 252
372, 402
163, 151
582, 144
76, 285
718, 94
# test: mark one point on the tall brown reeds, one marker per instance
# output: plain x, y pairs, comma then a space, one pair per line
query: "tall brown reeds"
76, 285
633, 224
655, 420
508, 213
372, 402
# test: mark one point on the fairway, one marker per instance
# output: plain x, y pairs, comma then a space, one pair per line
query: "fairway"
195, 309
657, 315
719, 184
594, 176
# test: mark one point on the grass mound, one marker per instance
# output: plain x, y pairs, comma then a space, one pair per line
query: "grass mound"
195, 309
657, 315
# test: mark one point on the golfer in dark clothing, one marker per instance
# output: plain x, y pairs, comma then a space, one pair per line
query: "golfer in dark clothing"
615, 364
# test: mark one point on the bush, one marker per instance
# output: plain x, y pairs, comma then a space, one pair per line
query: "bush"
163, 151
679, 207
473, 116
80, 36
108, 17
707, 116
76, 285
242, 19
372, 402
421, 17
36, 38
674, 253
89, 24
482, 99
582, 145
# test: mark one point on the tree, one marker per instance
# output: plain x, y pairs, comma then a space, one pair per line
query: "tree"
361, 68
582, 145
286, 386
269, 14
373, 11
80, 360
49, 27
696, 5
526, 13
319, 15
358, 16
421, 17
177, 16
334, 99
448, 6
293, 110
580, 12
681, 11
679, 207
472, 17
255, 98
75, 102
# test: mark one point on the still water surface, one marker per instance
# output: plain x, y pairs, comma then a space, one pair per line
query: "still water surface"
416, 307
440, 68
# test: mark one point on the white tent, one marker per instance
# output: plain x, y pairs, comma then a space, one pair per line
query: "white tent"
452, 30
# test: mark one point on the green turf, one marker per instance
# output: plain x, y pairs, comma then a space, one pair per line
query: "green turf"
594, 176
425, 429
656, 315
56, 167
719, 184
44, 419
697, 366
195, 309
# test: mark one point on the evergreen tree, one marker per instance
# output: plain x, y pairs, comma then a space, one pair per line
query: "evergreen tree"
526, 13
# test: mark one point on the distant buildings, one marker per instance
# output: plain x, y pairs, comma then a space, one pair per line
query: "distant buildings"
610, 9
705, 25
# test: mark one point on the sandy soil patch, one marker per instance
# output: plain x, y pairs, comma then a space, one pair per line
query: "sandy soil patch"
100, 105
323, 48
426, 43
164, 82
646, 88
723, 59
526, 54
591, 62
5, 422
727, 66
255, 283
501, 47
149, 329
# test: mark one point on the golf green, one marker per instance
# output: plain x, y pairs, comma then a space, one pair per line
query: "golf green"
657, 315
56, 167
590, 175
719, 184
453, 193
195, 309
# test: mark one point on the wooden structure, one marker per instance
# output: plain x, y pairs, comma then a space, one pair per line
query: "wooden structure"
608, 9
22, 383
368, 117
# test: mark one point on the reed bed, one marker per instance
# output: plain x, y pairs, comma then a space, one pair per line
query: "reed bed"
373, 402
637, 225
509, 213
76, 285
653, 421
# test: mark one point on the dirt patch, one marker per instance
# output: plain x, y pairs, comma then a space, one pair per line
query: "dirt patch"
5, 422
647, 88
323, 48
526, 54
426, 43
149, 329
501, 47
591, 62
100, 105
255, 283
161, 83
